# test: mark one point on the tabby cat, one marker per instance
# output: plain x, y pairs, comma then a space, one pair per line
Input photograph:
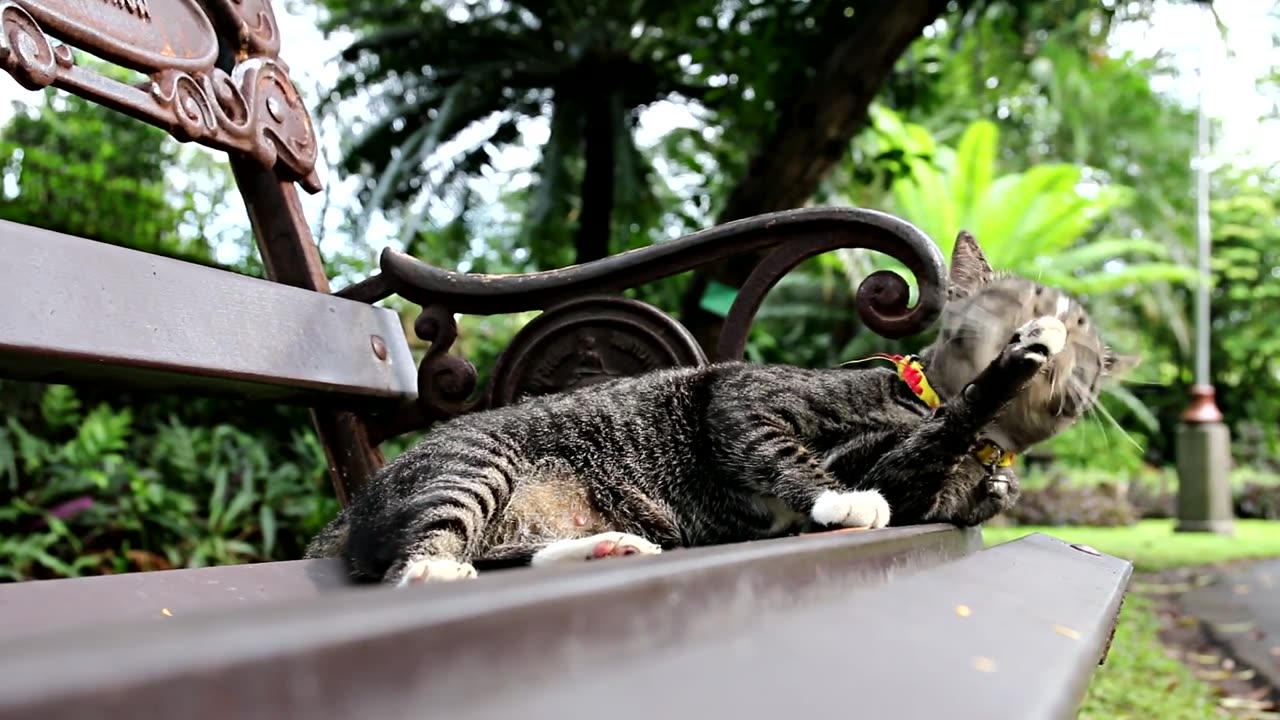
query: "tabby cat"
739, 451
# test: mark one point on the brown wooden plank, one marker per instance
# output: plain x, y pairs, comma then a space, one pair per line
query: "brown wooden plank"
75, 310
31, 608
902, 623
427, 651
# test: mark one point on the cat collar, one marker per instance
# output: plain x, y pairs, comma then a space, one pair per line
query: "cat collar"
911, 370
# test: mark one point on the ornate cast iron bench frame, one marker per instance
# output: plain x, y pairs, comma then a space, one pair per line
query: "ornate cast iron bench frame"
869, 615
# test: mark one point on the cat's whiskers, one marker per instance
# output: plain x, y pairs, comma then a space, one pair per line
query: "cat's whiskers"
1077, 396
1098, 410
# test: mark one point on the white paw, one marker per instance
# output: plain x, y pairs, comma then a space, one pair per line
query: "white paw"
435, 570
864, 508
1046, 332
602, 545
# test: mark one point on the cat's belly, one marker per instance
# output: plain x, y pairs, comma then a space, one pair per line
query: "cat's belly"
546, 510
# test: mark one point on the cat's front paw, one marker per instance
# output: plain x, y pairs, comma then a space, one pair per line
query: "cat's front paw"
433, 570
860, 509
594, 547
1040, 339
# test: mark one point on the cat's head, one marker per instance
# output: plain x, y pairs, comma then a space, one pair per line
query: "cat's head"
982, 311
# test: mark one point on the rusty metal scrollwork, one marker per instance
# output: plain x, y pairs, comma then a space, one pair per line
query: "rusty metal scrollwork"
254, 22
588, 332
882, 298
589, 340
445, 382
251, 108
26, 52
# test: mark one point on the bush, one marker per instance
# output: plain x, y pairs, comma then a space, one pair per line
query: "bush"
1064, 503
1257, 500
1152, 502
1060, 496
90, 492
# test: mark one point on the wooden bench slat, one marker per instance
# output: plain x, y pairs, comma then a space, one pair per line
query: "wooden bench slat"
51, 605
758, 630
31, 608
74, 310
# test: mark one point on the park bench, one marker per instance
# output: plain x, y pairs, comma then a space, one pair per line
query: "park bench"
909, 622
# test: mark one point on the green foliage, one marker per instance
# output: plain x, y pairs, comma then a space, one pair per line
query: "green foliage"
1037, 223
1095, 440
435, 71
1041, 222
1245, 353
101, 479
87, 490
1141, 680
102, 171
1065, 503
1061, 92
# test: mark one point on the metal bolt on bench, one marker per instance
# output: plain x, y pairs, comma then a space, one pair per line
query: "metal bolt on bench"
904, 623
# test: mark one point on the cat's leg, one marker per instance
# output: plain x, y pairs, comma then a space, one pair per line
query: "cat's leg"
920, 467
566, 552
971, 495
851, 509
424, 522
999, 493
434, 569
1028, 351
593, 547
768, 453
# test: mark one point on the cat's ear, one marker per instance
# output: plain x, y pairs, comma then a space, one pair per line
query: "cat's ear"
1117, 366
969, 268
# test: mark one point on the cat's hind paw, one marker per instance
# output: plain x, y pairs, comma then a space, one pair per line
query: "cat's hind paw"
433, 570
1041, 338
594, 547
860, 509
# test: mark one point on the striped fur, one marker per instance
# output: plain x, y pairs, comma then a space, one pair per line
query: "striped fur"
737, 451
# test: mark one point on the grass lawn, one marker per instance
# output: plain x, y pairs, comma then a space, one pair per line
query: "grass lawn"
1139, 680
1152, 545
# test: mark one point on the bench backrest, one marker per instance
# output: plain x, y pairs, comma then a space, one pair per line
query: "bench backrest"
75, 310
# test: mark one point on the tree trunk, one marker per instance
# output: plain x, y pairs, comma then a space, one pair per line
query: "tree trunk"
812, 134
595, 219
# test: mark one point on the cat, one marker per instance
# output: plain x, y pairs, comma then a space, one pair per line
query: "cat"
739, 451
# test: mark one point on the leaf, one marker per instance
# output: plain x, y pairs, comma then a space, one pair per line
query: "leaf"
1140, 411
975, 167
267, 522
218, 498
1133, 276
1103, 249
240, 502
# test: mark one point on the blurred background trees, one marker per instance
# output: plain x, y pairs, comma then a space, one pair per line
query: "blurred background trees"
509, 136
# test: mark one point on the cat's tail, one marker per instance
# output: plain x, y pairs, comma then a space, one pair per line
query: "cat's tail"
331, 541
